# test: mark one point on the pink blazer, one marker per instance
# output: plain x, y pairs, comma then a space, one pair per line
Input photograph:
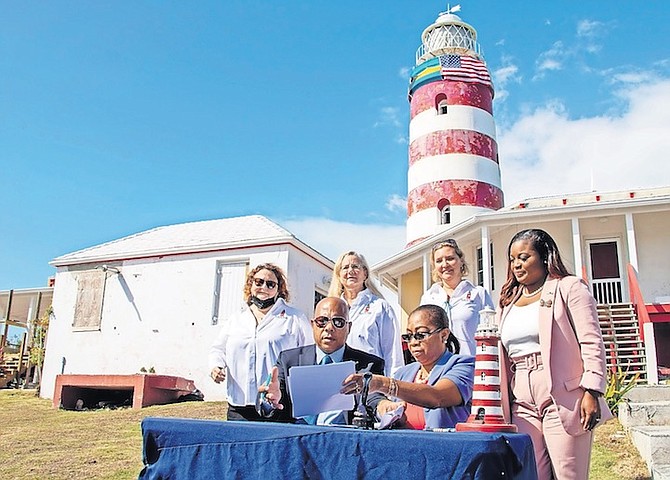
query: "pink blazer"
573, 352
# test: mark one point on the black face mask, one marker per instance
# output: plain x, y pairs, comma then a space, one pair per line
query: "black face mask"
263, 304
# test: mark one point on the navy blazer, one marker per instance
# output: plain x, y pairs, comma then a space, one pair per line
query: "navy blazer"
306, 355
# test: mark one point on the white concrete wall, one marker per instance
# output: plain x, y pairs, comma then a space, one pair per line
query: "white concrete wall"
157, 313
652, 231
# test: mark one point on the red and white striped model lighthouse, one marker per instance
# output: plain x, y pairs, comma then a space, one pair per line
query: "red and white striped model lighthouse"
486, 414
453, 155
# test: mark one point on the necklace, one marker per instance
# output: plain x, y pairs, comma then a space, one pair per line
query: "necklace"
423, 375
533, 293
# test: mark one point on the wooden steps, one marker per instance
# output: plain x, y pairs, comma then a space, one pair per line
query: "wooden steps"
621, 333
9, 368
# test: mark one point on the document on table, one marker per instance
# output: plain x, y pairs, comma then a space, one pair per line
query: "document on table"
316, 388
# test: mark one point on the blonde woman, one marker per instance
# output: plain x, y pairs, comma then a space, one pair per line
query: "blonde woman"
457, 295
374, 326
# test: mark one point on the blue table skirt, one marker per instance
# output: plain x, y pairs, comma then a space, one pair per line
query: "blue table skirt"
203, 449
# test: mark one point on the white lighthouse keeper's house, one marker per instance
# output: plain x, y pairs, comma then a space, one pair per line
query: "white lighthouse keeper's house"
158, 298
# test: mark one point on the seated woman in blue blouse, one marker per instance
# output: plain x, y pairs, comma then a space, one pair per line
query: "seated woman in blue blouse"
436, 390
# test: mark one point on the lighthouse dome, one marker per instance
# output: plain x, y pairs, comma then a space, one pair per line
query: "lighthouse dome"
448, 35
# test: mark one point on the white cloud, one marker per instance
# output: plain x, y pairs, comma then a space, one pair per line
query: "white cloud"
503, 76
589, 28
389, 116
396, 203
404, 73
329, 237
550, 60
401, 139
548, 153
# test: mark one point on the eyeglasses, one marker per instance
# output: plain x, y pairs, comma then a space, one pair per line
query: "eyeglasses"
353, 266
418, 336
338, 322
271, 284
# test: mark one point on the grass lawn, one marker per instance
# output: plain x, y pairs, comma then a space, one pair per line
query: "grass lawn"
38, 442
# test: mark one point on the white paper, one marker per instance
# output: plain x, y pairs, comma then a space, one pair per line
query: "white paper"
389, 418
316, 388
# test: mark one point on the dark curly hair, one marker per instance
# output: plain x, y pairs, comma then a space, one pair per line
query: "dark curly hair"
282, 288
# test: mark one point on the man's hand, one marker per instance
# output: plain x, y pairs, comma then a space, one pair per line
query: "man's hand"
272, 391
218, 374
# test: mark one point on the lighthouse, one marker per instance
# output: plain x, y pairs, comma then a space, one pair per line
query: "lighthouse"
453, 154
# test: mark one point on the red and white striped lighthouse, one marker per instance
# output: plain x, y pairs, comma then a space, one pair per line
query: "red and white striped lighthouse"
453, 155
486, 414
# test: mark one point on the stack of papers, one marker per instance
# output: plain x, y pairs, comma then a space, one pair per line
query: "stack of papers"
315, 389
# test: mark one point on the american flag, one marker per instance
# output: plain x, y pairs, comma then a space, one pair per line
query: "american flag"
457, 67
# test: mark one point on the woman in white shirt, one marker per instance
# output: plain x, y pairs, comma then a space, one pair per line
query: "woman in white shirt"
374, 326
458, 296
250, 342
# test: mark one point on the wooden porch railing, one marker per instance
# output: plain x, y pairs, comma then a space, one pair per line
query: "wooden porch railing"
637, 299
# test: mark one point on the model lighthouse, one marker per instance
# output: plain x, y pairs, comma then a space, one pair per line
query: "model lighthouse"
453, 155
486, 414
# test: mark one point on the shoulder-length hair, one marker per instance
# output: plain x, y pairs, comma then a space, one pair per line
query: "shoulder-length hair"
282, 287
449, 242
336, 287
546, 248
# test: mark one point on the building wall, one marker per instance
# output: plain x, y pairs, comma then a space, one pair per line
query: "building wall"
158, 313
652, 231
411, 291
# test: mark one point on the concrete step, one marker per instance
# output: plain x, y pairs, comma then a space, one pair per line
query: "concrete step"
648, 393
655, 413
653, 443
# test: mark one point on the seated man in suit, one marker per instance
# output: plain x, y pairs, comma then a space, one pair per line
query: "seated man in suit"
330, 327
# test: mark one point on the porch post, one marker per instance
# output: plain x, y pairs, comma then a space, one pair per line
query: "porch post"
486, 257
577, 249
426, 271
630, 238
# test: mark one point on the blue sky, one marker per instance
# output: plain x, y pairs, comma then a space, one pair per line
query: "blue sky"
120, 116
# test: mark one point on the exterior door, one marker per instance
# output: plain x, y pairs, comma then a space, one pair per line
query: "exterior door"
605, 271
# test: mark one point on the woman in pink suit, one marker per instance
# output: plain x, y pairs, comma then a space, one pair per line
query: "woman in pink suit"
553, 359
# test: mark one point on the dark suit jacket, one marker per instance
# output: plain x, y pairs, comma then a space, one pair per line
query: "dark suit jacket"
306, 355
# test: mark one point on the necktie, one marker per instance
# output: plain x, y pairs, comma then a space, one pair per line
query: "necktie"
311, 419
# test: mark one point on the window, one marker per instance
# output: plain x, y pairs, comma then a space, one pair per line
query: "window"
228, 289
90, 294
441, 104
480, 267
318, 296
445, 211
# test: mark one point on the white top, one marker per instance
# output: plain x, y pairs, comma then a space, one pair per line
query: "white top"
463, 309
520, 333
376, 330
249, 351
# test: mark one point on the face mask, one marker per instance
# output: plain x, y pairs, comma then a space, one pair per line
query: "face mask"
263, 304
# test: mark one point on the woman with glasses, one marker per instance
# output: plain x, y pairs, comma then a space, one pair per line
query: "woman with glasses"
436, 390
374, 326
457, 295
250, 342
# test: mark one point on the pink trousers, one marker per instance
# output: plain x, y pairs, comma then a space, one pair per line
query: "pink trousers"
558, 455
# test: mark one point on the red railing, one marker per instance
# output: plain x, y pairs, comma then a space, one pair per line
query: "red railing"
637, 300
